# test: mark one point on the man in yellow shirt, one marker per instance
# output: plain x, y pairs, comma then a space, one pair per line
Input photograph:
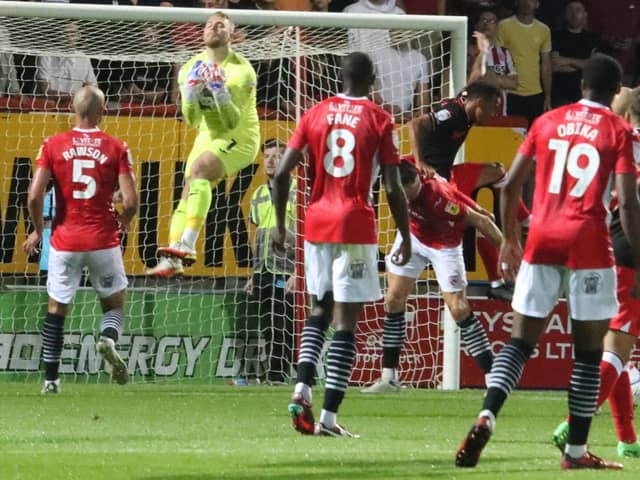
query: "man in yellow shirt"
218, 90
529, 42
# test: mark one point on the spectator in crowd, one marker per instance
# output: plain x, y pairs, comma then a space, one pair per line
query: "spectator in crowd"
423, 7
493, 63
265, 5
319, 5
367, 40
8, 74
149, 83
551, 13
61, 77
272, 284
529, 42
340, 5
217, 4
572, 46
402, 80
617, 23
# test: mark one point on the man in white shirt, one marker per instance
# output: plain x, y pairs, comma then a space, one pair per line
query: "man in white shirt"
402, 81
61, 77
367, 40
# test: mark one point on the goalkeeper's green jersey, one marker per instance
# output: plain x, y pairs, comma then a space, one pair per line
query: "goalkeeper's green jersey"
240, 114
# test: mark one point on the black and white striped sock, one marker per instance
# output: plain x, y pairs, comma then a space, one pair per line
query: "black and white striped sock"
506, 372
52, 343
584, 388
112, 323
342, 352
393, 336
476, 340
311, 344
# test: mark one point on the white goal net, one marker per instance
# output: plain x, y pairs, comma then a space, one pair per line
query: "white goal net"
203, 326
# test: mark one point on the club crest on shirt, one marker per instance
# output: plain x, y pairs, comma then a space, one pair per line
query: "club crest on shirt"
106, 281
452, 208
591, 283
357, 269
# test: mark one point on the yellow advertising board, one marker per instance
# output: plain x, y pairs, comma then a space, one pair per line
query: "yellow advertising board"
159, 146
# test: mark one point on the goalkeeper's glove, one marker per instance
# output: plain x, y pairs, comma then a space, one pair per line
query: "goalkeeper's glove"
195, 82
216, 84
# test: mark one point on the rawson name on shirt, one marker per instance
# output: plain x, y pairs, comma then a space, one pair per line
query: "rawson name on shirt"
84, 152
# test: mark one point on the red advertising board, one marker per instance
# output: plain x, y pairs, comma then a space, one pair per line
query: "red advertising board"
421, 358
550, 364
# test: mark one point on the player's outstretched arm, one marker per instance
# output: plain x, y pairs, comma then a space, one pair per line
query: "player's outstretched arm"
398, 206
419, 132
130, 201
511, 250
485, 225
35, 204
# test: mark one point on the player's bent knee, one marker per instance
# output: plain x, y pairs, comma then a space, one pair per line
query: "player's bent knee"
113, 301
57, 308
207, 166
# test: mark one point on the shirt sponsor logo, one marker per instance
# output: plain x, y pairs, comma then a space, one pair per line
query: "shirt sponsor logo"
86, 141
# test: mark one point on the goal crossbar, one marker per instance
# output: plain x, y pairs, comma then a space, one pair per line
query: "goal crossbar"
457, 25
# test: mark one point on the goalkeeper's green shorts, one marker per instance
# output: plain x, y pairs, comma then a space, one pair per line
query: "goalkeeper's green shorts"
235, 151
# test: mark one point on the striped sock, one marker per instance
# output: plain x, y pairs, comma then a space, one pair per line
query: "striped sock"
392, 339
311, 344
111, 323
584, 386
52, 343
476, 340
506, 373
342, 352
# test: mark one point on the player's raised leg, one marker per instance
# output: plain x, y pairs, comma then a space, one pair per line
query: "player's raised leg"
218, 91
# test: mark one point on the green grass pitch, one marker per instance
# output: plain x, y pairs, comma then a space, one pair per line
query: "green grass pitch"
195, 432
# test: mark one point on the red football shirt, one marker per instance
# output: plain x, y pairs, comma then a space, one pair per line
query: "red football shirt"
436, 213
85, 165
347, 139
578, 149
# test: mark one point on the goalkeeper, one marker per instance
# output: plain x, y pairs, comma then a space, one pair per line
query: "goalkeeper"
218, 90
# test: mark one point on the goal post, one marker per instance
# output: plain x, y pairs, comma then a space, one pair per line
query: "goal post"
204, 326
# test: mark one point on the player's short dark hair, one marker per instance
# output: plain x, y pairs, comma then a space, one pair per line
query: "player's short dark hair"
271, 143
358, 67
480, 89
408, 172
602, 74
634, 104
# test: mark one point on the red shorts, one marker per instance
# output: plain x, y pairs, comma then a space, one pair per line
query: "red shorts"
628, 318
465, 176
